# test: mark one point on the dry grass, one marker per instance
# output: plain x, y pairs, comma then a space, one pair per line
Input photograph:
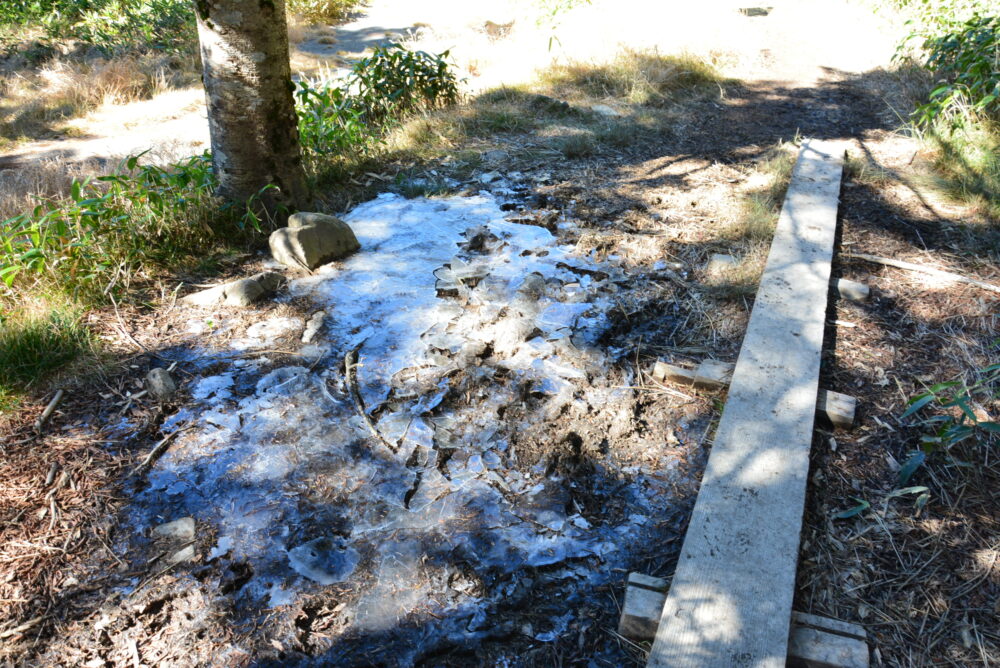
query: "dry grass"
633, 77
40, 100
22, 188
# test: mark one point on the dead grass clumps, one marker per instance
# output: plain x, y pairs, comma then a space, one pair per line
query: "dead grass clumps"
765, 191
41, 100
21, 189
636, 77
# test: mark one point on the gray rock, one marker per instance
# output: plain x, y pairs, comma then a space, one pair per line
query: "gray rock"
209, 297
313, 326
489, 177
241, 292
496, 155
312, 239
605, 110
248, 290
160, 384
181, 530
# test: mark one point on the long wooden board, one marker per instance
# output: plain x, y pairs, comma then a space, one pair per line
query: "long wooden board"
730, 601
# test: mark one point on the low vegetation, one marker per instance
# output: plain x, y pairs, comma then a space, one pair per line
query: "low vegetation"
958, 42
112, 235
37, 340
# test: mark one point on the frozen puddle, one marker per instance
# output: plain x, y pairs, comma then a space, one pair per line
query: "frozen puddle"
472, 332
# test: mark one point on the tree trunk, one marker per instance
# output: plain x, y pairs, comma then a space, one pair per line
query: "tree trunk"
251, 111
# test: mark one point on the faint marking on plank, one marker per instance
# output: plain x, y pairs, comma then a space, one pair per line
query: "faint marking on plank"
730, 601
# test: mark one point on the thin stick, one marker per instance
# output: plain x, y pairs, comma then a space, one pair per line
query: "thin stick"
47, 413
22, 628
158, 450
350, 364
909, 266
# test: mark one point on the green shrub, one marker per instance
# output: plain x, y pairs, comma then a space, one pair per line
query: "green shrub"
110, 25
968, 61
944, 412
354, 114
115, 25
114, 228
316, 11
36, 343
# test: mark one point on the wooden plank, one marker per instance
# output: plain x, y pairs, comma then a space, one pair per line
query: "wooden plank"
837, 408
852, 290
813, 642
730, 600
812, 648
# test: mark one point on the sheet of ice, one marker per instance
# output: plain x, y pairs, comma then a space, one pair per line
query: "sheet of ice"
281, 464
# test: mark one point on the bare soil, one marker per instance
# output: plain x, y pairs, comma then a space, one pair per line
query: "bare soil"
925, 584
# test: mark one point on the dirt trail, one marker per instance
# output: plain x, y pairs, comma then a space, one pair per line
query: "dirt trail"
535, 466
797, 44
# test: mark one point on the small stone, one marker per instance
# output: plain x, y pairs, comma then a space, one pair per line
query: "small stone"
248, 290
208, 297
180, 530
311, 240
184, 554
160, 384
242, 292
605, 110
496, 155
719, 264
313, 326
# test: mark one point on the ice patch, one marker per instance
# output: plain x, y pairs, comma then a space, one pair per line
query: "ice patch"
214, 387
280, 456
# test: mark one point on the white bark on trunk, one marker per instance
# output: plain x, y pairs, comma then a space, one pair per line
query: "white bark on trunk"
251, 111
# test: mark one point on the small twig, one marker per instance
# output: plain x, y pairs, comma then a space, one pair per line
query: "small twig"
47, 413
22, 628
158, 450
909, 266
350, 364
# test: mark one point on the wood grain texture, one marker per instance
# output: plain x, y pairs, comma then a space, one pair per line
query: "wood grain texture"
730, 601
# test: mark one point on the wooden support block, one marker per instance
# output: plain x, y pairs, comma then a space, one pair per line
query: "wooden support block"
675, 374
819, 642
644, 597
713, 374
852, 290
829, 625
813, 642
837, 408
710, 374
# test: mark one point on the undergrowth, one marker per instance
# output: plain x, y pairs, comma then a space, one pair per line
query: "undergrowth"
35, 341
343, 123
958, 41
749, 235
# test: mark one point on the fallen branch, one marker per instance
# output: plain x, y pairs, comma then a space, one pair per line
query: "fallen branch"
47, 413
158, 449
909, 266
350, 364
21, 629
